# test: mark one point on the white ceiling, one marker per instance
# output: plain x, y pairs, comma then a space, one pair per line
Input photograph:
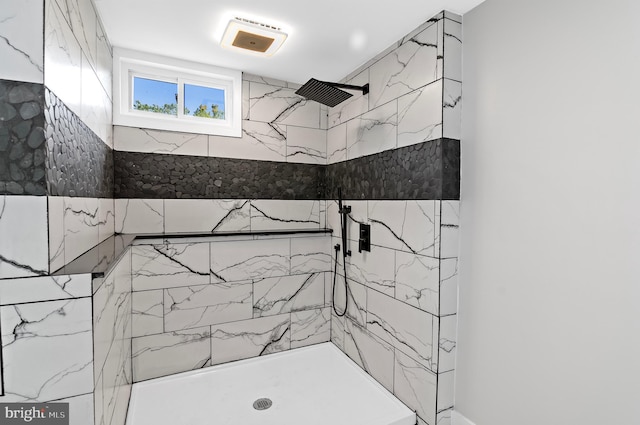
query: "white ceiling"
327, 39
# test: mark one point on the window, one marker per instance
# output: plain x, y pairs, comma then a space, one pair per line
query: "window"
169, 94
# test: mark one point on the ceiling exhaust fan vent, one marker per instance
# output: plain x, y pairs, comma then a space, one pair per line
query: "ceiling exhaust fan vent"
253, 36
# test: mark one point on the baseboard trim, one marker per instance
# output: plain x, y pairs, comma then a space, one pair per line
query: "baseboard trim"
458, 419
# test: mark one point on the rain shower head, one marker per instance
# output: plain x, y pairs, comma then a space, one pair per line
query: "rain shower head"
328, 93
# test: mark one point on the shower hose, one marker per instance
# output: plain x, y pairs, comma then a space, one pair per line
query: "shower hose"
344, 269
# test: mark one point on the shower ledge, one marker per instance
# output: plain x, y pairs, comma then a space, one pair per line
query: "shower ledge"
99, 259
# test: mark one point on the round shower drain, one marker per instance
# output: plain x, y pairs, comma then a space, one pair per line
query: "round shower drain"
262, 404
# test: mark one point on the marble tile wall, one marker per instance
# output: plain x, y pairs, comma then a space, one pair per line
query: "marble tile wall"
219, 215
77, 224
23, 245
80, 179
54, 138
197, 304
41, 318
21, 41
401, 322
46, 149
78, 62
112, 319
400, 325
55, 132
415, 95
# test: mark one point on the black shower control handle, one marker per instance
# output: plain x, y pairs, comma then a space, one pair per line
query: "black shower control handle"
345, 210
364, 241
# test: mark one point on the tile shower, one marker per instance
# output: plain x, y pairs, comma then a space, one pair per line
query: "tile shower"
168, 305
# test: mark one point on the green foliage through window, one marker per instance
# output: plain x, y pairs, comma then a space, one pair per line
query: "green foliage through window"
203, 112
169, 109
172, 109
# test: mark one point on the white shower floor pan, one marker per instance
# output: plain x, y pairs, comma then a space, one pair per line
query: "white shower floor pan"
315, 385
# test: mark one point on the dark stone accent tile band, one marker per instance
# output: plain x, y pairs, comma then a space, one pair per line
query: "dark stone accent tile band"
164, 176
429, 170
45, 149
78, 162
451, 170
22, 136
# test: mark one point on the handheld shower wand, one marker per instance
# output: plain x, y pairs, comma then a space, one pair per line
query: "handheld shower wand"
344, 211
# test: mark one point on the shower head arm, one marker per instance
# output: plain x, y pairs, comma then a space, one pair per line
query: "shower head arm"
364, 89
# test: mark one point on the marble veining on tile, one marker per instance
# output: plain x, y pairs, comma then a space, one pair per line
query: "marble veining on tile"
357, 293
373, 132
420, 115
285, 294
306, 145
415, 386
234, 261
259, 141
406, 328
452, 33
81, 224
208, 215
449, 229
356, 105
195, 306
452, 109
374, 269
21, 50
44, 288
337, 144
405, 225
445, 391
106, 218
139, 216
281, 105
112, 314
337, 330
447, 343
410, 66
112, 324
250, 338
96, 107
417, 281
23, 249
38, 365
311, 254
310, 327
147, 312
156, 141
62, 58
169, 353
273, 214
169, 265
370, 353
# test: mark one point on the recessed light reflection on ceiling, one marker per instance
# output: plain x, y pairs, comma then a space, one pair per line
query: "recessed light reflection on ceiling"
357, 40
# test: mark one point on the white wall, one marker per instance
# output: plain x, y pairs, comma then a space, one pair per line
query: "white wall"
549, 328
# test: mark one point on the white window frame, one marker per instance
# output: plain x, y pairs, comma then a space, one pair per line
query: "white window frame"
130, 63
